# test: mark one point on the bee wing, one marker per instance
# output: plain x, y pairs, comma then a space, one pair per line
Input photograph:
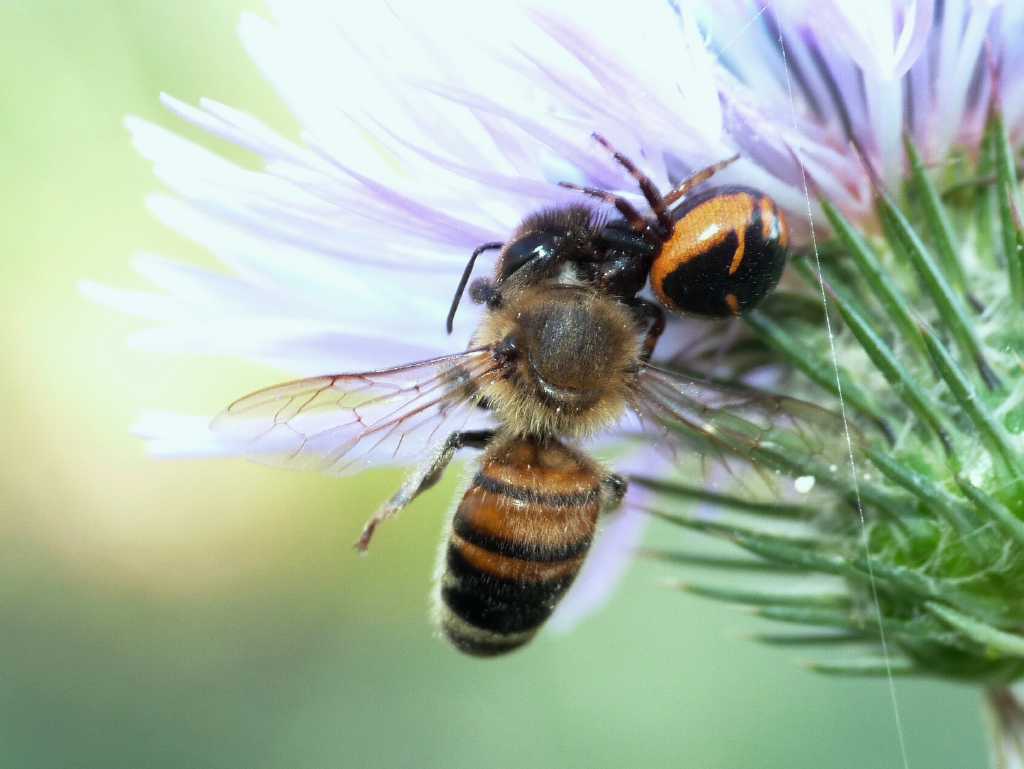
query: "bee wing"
343, 423
764, 429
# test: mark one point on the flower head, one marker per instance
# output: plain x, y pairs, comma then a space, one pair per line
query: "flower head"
426, 133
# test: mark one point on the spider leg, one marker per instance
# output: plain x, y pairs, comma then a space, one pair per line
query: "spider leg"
647, 187
636, 221
697, 178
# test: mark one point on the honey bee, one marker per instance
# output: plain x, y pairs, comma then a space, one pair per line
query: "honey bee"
562, 352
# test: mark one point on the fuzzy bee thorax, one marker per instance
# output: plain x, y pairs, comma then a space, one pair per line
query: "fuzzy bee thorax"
573, 352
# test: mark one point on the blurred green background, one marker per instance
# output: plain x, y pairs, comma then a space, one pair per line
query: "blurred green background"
205, 614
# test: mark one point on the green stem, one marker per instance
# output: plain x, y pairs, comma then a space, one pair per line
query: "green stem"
1007, 728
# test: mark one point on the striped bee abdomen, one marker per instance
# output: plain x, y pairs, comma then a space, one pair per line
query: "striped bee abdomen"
518, 541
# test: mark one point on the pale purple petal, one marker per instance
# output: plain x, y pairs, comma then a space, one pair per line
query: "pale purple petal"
963, 34
427, 129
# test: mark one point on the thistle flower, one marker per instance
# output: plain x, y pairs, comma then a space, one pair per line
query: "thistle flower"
891, 134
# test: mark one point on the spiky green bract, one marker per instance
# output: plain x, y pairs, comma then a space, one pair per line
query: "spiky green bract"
915, 527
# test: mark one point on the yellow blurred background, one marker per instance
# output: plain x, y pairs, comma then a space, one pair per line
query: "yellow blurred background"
212, 614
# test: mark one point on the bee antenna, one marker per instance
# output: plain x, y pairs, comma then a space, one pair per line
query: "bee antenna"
465, 279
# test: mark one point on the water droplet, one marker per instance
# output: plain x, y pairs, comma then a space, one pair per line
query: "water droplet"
804, 484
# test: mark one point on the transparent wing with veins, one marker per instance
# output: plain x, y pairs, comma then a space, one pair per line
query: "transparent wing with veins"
344, 423
767, 431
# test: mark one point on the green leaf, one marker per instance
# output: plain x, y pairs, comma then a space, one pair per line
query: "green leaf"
765, 598
1008, 522
819, 370
903, 383
878, 279
911, 632
904, 239
936, 217
796, 461
949, 507
988, 427
732, 531
997, 642
899, 579
808, 639
872, 667
809, 554
728, 563
740, 504
805, 554
1006, 195
988, 215
816, 616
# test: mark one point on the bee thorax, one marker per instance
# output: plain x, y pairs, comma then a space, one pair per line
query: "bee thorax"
574, 351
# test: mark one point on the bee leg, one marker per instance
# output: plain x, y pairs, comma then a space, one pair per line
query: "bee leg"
425, 476
648, 311
613, 489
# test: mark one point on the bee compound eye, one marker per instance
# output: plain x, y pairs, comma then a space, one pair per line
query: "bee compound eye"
525, 249
726, 253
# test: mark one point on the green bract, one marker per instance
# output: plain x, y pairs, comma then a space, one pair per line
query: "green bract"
920, 553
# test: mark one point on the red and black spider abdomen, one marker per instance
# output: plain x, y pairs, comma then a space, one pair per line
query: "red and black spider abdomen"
518, 541
725, 254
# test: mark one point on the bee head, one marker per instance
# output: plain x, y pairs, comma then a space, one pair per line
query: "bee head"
547, 240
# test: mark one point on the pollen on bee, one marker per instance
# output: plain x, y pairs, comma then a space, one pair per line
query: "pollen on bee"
804, 484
